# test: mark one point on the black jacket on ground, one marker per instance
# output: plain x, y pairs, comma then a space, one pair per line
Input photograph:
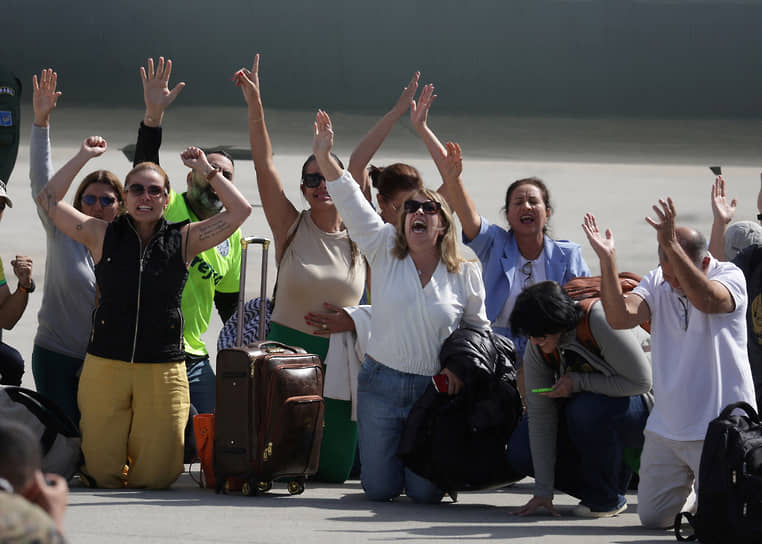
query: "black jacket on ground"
459, 442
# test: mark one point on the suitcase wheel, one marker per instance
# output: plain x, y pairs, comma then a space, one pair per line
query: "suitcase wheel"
295, 487
248, 489
263, 487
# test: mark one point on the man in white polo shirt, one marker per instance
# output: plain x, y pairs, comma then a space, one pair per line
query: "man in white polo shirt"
697, 308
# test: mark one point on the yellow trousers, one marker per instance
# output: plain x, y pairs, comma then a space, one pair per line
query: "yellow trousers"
133, 414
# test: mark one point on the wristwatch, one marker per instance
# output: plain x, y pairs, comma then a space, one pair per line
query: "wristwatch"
29, 289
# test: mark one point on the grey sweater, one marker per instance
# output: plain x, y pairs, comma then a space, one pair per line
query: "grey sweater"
622, 370
68, 296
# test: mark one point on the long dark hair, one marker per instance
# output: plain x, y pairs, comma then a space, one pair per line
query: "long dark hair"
537, 182
354, 251
544, 308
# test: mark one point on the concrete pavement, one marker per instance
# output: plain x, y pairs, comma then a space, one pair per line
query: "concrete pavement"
335, 514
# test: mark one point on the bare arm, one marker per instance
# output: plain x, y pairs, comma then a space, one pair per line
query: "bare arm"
419, 116
622, 312
12, 306
707, 296
722, 213
214, 230
279, 210
86, 230
371, 142
322, 144
451, 170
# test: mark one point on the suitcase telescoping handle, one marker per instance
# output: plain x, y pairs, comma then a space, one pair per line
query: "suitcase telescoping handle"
245, 241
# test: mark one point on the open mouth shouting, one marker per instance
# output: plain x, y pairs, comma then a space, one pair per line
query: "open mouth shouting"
418, 226
527, 218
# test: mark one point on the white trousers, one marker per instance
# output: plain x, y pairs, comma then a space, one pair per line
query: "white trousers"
668, 479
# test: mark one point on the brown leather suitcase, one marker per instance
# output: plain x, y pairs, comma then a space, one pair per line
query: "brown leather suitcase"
269, 412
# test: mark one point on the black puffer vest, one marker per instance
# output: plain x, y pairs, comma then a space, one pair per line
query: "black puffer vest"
139, 317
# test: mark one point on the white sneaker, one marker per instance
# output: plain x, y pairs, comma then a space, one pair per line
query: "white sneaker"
582, 511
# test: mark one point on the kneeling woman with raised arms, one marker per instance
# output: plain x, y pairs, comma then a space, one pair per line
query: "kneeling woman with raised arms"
133, 392
421, 290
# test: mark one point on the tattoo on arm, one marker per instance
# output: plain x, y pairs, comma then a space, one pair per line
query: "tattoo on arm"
48, 201
212, 229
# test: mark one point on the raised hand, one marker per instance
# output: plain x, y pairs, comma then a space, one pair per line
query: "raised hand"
722, 211
603, 246
419, 112
452, 163
156, 93
93, 146
406, 98
22, 268
322, 142
248, 81
665, 225
194, 158
44, 96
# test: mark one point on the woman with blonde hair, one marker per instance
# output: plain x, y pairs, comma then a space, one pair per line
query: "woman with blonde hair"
422, 290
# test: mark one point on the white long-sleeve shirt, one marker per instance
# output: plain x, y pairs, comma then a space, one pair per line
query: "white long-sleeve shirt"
410, 323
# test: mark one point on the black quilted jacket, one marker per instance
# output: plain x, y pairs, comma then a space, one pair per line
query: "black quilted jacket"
459, 442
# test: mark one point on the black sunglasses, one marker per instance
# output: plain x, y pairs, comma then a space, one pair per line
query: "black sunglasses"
106, 201
136, 189
430, 207
312, 180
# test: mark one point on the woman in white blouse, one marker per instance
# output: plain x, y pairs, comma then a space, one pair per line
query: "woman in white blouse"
421, 290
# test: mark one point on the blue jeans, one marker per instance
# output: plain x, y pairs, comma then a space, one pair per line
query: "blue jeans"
384, 399
202, 383
593, 430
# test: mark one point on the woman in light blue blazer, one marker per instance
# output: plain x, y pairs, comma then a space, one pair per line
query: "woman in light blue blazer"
517, 257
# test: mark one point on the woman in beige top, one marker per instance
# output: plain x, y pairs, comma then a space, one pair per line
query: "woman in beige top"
317, 262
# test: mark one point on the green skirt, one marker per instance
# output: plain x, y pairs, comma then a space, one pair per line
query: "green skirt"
337, 451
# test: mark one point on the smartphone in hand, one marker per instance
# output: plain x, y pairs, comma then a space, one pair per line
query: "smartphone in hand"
441, 382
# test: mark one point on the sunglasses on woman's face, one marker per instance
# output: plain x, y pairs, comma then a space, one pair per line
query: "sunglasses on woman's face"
430, 207
105, 201
312, 181
136, 189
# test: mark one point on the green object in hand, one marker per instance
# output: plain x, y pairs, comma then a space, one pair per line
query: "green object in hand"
542, 390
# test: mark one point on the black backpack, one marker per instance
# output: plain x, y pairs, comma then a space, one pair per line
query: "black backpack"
730, 481
60, 440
